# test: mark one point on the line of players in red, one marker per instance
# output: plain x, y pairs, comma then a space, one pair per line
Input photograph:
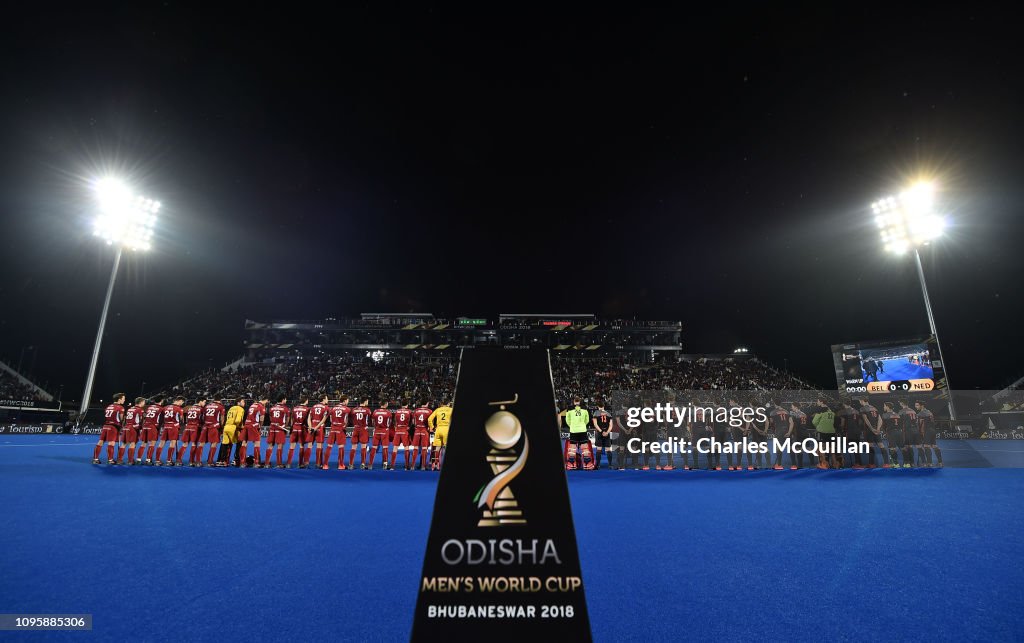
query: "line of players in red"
142, 430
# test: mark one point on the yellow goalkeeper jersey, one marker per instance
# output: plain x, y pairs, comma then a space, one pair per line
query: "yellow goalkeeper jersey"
441, 418
235, 416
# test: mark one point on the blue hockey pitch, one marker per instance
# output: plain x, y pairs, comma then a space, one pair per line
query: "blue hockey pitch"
184, 554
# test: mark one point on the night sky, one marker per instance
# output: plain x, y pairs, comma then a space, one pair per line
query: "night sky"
715, 169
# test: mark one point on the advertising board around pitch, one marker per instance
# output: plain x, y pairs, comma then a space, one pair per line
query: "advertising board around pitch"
502, 561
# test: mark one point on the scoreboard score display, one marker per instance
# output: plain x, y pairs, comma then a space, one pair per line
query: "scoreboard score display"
896, 367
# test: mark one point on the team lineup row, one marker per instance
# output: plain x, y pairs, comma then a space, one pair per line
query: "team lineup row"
142, 430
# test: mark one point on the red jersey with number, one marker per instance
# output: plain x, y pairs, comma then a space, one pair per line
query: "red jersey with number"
402, 418
193, 415
279, 416
381, 419
113, 415
420, 416
133, 417
299, 414
318, 416
360, 417
254, 418
213, 415
172, 417
339, 416
151, 417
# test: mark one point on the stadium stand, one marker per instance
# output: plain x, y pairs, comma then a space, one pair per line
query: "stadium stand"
397, 377
16, 388
415, 356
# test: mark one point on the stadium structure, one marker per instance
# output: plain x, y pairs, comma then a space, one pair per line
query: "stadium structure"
768, 519
423, 332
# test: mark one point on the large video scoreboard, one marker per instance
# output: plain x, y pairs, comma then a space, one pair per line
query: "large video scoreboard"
893, 367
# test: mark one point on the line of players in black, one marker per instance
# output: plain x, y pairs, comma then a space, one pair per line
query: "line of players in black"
901, 435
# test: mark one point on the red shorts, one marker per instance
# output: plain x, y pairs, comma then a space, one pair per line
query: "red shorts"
315, 435
421, 439
109, 434
360, 435
297, 434
380, 438
170, 434
401, 437
336, 436
211, 435
129, 436
251, 434
149, 434
277, 435
190, 434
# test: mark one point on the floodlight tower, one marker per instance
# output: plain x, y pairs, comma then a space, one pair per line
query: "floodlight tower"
125, 220
908, 221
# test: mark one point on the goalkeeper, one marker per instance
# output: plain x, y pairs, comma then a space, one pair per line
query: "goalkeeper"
577, 447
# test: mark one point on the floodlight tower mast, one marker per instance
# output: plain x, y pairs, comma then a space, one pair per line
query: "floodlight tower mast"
908, 221
127, 221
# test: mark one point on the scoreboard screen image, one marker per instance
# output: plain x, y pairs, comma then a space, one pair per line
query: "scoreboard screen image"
892, 367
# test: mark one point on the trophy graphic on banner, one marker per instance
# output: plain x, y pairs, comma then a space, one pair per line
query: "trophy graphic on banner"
496, 501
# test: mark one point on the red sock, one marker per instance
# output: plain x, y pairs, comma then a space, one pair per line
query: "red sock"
305, 455
96, 451
110, 452
120, 453
159, 451
373, 456
131, 454
291, 452
180, 455
327, 455
149, 452
351, 457
270, 452
213, 449
279, 450
242, 454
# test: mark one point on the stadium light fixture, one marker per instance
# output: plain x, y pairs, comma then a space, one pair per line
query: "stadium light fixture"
906, 222
125, 220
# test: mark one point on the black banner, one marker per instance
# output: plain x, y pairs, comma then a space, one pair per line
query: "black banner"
1004, 426
502, 561
19, 404
26, 428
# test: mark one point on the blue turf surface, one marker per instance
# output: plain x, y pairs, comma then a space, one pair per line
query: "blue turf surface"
180, 554
904, 370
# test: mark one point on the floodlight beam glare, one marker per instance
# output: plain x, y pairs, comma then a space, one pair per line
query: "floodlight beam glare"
908, 220
124, 218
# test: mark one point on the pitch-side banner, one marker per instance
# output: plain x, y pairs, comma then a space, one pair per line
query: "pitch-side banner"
501, 560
